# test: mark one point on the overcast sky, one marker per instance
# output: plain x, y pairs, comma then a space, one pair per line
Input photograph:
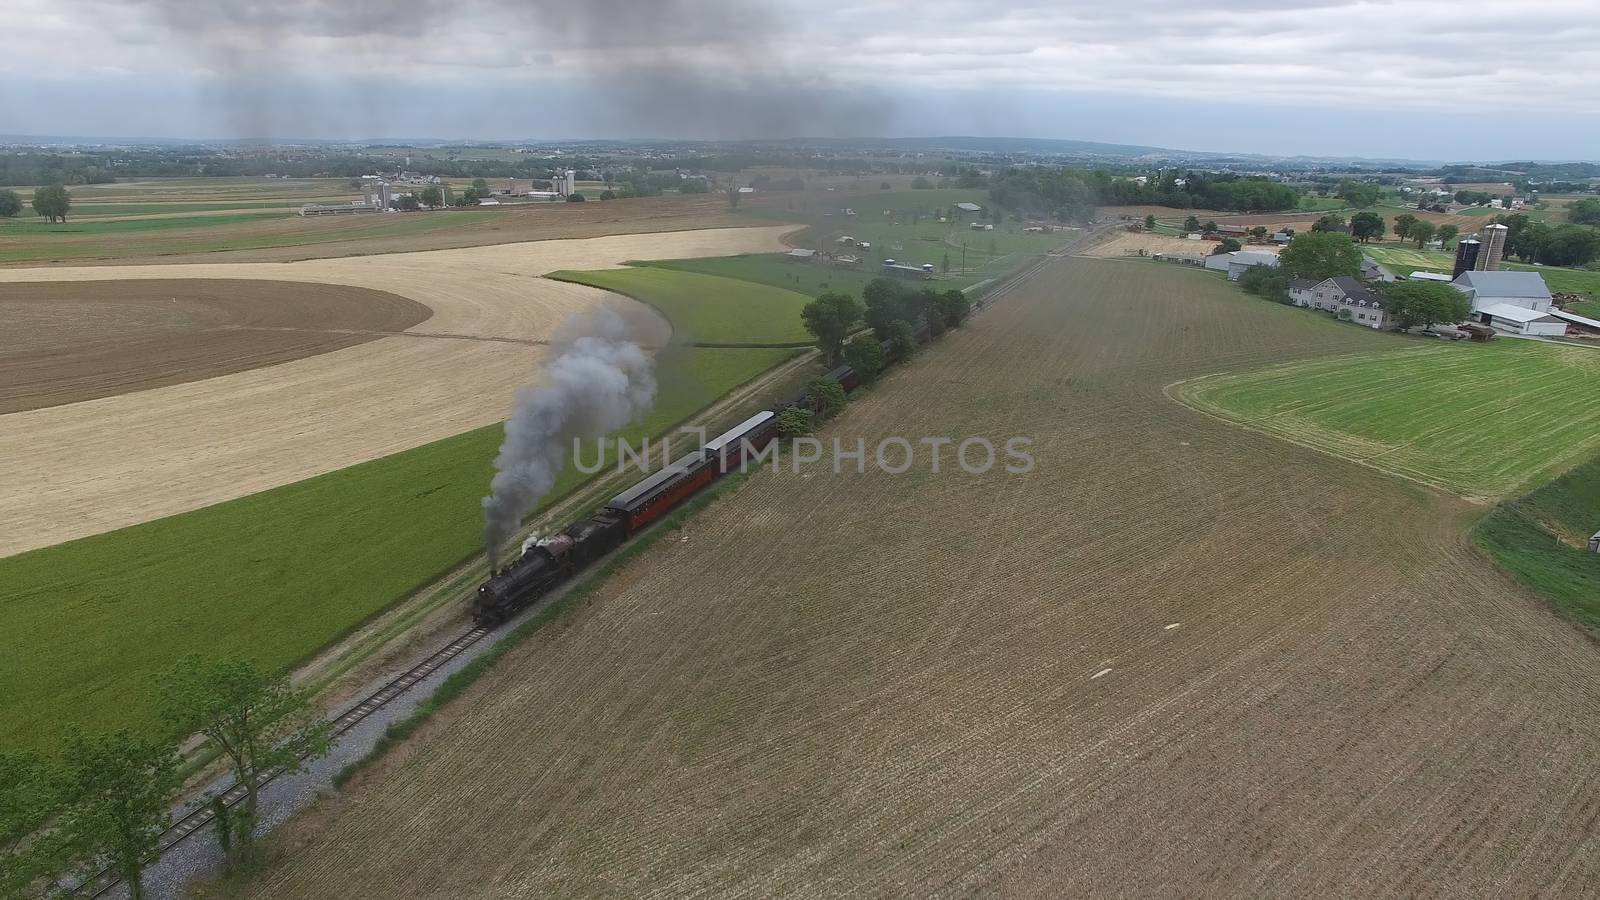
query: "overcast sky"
1412, 78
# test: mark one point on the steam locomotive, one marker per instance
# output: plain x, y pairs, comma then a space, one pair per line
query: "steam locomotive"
550, 561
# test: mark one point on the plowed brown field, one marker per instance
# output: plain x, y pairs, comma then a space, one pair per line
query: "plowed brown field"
72, 341
1177, 659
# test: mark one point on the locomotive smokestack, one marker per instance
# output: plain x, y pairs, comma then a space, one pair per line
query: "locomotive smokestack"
597, 382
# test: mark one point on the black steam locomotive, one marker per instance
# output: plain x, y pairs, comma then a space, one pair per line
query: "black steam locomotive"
553, 560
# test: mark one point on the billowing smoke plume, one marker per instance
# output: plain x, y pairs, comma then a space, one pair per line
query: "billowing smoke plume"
597, 382
662, 68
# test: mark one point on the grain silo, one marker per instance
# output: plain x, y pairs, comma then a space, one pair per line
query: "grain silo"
1493, 238
1466, 256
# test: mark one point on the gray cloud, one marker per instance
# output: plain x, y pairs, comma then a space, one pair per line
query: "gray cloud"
1393, 75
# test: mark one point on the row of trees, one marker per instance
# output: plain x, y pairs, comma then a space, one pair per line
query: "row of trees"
892, 309
1071, 195
1551, 245
105, 799
52, 201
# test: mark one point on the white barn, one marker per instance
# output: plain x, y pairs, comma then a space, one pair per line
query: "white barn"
1487, 289
1235, 262
1522, 320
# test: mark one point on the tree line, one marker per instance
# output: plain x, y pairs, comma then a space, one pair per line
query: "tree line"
893, 310
104, 799
1072, 194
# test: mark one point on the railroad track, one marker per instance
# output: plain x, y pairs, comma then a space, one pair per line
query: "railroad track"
197, 819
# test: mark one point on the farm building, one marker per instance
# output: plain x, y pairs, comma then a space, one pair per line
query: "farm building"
1521, 320
1372, 271
1487, 289
1282, 237
922, 272
338, 209
1578, 326
1235, 262
1179, 258
847, 262
800, 255
1429, 276
969, 207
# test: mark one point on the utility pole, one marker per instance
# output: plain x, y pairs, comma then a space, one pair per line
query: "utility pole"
963, 257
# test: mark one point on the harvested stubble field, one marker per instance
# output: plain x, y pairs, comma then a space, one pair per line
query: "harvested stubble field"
283, 238
1129, 243
1177, 658
89, 467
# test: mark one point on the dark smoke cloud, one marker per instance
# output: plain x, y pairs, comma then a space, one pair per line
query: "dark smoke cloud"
597, 382
679, 68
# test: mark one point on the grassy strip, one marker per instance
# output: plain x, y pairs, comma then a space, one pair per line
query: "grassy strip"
124, 226
561, 607
1540, 538
717, 311
276, 575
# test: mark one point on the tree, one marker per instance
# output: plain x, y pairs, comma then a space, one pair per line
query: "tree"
887, 301
826, 394
902, 340
1364, 226
1446, 234
119, 788
431, 196
1359, 193
608, 195
575, 197
1150, 222
1414, 303
944, 264
1420, 231
1565, 245
921, 183
254, 719
1402, 225
10, 204
29, 797
830, 318
796, 421
733, 197
1210, 227
1258, 232
1320, 254
1329, 222
1191, 224
953, 307
1227, 245
481, 186
1270, 282
469, 197
1581, 212
407, 202
865, 356
52, 202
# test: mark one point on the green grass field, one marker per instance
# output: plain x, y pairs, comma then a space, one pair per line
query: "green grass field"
707, 309
274, 576
772, 269
1541, 539
36, 225
1480, 419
